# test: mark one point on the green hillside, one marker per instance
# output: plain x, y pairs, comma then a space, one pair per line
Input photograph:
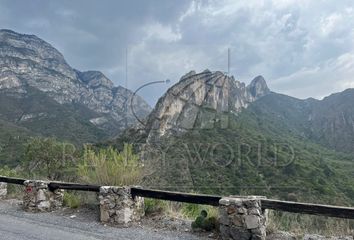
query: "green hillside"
12, 139
265, 150
36, 114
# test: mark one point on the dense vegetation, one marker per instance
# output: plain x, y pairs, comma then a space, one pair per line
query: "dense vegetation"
243, 161
48, 158
51, 159
266, 149
36, 114
263, 151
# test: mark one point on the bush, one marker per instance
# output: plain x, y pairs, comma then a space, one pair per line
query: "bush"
192, 211
154, 206
204, 222
49, 158
71, 200
8, 172
110, 167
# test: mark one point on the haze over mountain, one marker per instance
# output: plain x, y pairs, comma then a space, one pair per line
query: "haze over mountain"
197, 132
212, 133
206, 100
41, 93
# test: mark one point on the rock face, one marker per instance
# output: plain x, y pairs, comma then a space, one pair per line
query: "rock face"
202, 101
329, 122
27, 62
332, 121
258, 87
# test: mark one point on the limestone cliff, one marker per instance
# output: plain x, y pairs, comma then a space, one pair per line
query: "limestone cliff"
201, 101
27, 62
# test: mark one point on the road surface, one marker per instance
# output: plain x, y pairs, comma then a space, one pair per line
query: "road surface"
18, 225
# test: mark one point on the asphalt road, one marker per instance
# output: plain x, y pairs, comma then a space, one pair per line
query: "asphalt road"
18, 225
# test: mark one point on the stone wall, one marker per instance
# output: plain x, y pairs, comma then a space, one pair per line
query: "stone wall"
242, 218
38, 197
117, 206
3, 190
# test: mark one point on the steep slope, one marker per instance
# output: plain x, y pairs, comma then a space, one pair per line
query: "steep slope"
201, 101
252, 141
333, 121
329, 122
12, 140
27, 62
40, 114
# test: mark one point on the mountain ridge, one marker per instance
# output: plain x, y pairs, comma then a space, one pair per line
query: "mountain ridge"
199, 100
29, 62
263, 143
42, 93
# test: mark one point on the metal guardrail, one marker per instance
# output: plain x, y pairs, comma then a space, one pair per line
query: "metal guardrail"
73, 186
309, 208
18, 181
294, 207
177, 196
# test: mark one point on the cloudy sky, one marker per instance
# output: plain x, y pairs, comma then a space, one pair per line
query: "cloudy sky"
303, 48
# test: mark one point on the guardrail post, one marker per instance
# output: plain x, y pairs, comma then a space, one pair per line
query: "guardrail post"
242, 218
38, 197
118, 207
3, 190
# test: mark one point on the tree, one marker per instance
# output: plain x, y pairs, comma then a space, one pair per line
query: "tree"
47, 157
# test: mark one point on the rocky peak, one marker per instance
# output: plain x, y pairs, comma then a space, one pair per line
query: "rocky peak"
22, 49
95, 79
202, 100
29, 44
27, 61
258, 87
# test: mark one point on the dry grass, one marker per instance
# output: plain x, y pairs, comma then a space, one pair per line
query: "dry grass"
177, 209
301, 224
110, 167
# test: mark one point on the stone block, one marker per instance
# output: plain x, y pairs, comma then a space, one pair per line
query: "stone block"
38, 198
242, 218
3, 190
104, 215
118, 207
240, 234
252, 222
238, 221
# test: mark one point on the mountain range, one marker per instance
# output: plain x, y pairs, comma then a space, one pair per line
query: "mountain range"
43, 95
209, 132
208, 99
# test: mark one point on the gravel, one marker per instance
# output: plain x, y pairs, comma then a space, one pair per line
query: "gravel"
16, 224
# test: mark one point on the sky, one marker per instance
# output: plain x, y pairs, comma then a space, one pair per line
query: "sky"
303, 48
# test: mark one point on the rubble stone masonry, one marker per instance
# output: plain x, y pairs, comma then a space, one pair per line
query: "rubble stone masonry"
38, 197
242, 218
118, 207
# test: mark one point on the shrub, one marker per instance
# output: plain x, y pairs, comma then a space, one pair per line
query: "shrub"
154, 206
192, 211
204, 222
71, 200
110, 167
49, 158
8, 172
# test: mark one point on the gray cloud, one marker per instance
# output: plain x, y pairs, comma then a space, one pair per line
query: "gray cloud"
303, 48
